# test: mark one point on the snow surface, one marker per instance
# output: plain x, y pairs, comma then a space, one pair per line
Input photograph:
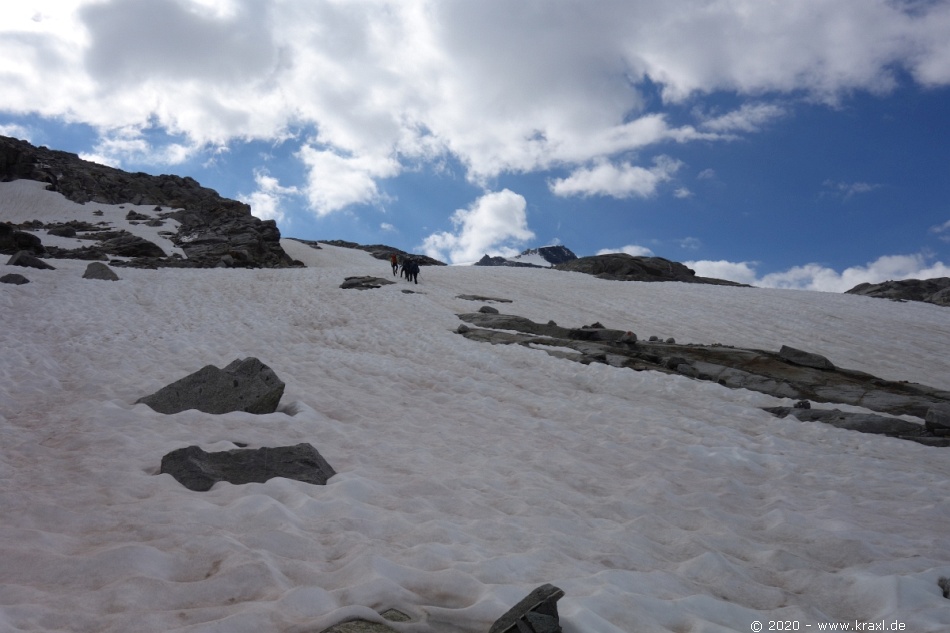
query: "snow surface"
468, 475
531, 258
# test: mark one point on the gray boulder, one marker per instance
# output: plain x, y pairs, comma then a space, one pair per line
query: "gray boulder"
98, 270
28, 260
14, 278
198, 470
244, 385
536, 613
805, 359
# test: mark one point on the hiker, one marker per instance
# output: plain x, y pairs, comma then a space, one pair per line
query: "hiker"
394, 262
413, 270
402, 268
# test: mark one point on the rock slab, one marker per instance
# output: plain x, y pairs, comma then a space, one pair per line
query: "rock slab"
536, 613
198, 470
244, 385
364, 283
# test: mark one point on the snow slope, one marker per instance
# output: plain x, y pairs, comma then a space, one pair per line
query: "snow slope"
468, 473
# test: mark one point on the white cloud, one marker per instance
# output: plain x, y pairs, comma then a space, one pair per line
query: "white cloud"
821, 278
335, 182
266, 201
742, 272
751, 117
847, 190
690, 243
128, 145
492, 225
942, 231
629, 249
624, 181
387, 227
496, 85
15, 131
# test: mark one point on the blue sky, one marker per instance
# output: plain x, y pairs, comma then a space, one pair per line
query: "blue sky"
799, 144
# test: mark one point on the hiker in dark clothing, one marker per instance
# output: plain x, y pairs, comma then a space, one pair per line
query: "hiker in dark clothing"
402, 268
413, 270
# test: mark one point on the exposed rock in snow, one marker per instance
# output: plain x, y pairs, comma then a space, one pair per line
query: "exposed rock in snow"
936, 291
244, 385
98, 270
198, 470
794, 374
623, 267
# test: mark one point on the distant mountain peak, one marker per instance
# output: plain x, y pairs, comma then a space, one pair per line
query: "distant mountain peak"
542, 257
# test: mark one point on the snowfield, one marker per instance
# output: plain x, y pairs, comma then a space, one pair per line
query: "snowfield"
469, 474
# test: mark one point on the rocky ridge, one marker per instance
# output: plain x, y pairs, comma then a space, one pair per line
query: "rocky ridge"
936, 291
212, 231
623, 267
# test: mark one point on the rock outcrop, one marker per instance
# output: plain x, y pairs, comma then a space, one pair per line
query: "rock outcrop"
790, 373
244, 385
864, 423
936, 291
198, 470
623, 267
213, 231
13, 240
536, 613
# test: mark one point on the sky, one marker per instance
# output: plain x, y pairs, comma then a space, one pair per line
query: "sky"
788, 144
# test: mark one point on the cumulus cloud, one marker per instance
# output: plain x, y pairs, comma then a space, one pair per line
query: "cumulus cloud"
821, 278
498, 87
266, 201
335, 182
629, 249
129, 145
623, 181
493, 225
